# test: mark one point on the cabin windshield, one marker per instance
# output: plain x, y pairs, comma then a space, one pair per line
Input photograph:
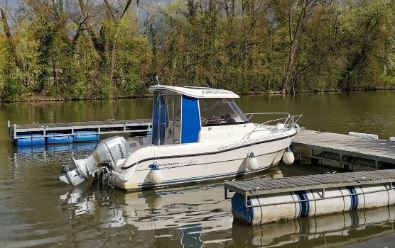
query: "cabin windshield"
215, 112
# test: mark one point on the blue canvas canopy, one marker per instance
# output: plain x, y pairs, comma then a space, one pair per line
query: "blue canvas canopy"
190, 118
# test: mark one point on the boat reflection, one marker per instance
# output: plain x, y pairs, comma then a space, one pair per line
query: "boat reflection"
332, 230
199, 216
185, 215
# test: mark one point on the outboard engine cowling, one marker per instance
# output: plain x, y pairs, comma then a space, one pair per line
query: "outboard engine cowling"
107, 155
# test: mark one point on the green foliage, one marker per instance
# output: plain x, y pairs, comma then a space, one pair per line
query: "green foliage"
370, 29
99, 51
12, 90
2, 64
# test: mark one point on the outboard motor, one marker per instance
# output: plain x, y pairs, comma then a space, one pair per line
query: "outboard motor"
109, 154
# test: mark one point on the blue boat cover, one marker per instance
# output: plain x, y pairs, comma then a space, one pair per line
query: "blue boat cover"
190, 120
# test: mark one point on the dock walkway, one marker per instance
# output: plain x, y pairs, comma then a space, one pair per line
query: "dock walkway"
344, 148
267, 186
45, 130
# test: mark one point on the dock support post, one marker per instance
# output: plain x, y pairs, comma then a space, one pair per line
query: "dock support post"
341, 161
313, 161
311, 156
245, 201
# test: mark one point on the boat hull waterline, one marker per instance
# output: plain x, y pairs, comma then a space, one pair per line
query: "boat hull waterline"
180, 170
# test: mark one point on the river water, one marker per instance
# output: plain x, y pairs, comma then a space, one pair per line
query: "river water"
36, 209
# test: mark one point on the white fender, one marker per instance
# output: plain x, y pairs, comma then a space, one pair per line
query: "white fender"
252, 162
155, 176
288, 157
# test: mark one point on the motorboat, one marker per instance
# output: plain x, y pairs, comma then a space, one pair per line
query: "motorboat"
198, 134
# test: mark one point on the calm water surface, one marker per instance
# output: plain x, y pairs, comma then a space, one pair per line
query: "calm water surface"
38, 210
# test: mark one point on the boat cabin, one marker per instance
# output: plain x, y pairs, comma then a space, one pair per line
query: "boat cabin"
179, 113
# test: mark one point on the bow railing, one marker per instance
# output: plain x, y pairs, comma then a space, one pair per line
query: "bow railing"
288, 120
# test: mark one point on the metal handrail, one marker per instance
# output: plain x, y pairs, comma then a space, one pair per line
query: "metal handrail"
289, 120
266, 113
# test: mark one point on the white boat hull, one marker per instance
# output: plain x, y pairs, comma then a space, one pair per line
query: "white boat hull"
186, 169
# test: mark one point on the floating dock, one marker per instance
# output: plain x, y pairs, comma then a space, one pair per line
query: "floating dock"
267, 200
57, 133
344, 151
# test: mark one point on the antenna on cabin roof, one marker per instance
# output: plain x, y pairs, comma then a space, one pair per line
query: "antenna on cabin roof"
157, 79
152, 80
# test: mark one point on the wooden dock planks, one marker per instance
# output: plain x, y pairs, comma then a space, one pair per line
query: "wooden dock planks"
376, 150
266, 186
339, 144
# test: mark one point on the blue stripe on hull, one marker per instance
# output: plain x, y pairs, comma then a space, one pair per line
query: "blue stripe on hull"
214, 162
198, 179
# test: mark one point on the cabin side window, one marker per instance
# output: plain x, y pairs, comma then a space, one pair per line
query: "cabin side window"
174, 124
166, 119
216, 112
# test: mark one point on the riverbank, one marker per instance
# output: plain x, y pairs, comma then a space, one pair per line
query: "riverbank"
43, 98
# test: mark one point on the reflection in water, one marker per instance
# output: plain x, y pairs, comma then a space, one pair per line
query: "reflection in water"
50, 153
340, 228
82, 204
185, 214
191, 235
198, 216
37, 210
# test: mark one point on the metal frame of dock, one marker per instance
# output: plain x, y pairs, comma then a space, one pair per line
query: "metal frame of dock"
268, 186
345, 150
18, 131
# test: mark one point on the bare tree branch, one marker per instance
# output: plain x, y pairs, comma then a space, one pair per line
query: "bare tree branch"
110, 10
8, 34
